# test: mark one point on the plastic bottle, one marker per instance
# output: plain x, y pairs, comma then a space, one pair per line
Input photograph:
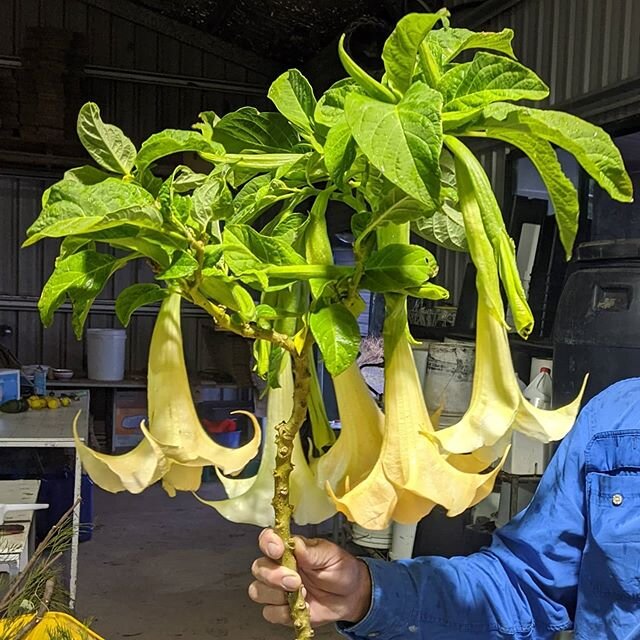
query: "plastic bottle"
538, 393
40, 381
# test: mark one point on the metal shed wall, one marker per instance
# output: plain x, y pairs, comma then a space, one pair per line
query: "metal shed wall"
147, 73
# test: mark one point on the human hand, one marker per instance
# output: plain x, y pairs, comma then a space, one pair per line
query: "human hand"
336, 585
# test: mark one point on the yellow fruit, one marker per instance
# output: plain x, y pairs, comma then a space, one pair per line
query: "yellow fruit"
53, 403
65, 402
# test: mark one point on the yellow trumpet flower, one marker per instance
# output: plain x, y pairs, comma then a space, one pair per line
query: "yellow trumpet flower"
249, 499
175, 447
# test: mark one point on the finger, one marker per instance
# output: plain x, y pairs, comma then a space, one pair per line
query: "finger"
263, 594
274, 575
312, 553
271, 544
277, 615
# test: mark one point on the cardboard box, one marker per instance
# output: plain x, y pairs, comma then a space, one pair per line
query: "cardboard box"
9, 384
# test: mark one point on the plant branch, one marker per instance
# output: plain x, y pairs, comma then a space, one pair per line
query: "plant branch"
285, 435
247, 329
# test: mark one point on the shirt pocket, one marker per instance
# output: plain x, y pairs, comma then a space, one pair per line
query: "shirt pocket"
611, 562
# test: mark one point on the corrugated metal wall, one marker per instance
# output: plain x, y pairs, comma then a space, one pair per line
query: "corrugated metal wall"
146, 73
588, 51
166, 72
577, 46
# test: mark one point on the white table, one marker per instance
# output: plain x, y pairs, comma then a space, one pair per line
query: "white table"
16, 549
51, 428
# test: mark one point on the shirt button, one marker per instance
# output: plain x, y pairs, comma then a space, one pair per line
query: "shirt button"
617, 499
413, 628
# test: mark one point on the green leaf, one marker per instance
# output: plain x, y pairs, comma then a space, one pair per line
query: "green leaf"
106, 143
208, 120
401, 48
444, 227
247, 128
170, 141
86, 175
136, 296
402, 140
212, 201
397, 267
73, 244
184, 266
76, 209
563, 194
591, 146
338, 336
257, 196
490, 78
249, 253
339, 151
428, 291
330, 108
447, 43
293, 96
288, 226
81, 277
229, 293
185, 179
370, 85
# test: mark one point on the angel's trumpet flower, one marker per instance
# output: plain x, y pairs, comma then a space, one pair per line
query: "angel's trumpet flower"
411, 475
497, 404
176, 447
249, 499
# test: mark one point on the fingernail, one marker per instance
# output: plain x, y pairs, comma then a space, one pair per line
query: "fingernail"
273, 550
291, 583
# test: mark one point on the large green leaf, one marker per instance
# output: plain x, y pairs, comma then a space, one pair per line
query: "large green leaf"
293, 97
257, 196
81, 277
444, 227
398, 266
170, 141
183, 266
330, 108
402, 140
448, 43
337, 334
369, 85
563, 194
74, 208
136, 296
339, 151
591, 146
247, 128
401, 48
490, 78
249, 253
212, 201
106, 143
227, 292
185, 179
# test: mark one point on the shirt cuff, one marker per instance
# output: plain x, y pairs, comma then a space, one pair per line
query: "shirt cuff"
393, 610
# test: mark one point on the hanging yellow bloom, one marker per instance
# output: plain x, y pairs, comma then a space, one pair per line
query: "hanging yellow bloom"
175, 447
411, 475
497, 404
249, 499
352, 457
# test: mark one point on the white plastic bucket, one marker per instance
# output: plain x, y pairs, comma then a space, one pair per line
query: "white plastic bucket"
371, 539
105, 354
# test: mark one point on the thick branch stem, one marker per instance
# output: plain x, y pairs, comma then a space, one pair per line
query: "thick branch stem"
285, 435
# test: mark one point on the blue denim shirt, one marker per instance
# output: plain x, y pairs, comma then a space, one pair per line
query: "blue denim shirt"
571, 559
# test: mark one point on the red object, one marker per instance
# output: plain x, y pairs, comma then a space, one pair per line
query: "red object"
219, 426
545, 370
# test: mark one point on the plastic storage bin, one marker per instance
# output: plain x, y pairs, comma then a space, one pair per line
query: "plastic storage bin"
105, 354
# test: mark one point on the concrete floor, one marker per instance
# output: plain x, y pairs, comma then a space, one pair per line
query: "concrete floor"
159, 569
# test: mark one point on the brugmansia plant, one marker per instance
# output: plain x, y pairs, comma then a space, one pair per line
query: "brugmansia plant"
243, 235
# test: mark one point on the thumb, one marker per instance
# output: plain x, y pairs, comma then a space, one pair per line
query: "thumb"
312, 553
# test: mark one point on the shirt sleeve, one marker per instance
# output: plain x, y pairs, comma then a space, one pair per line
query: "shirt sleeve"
523, 586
